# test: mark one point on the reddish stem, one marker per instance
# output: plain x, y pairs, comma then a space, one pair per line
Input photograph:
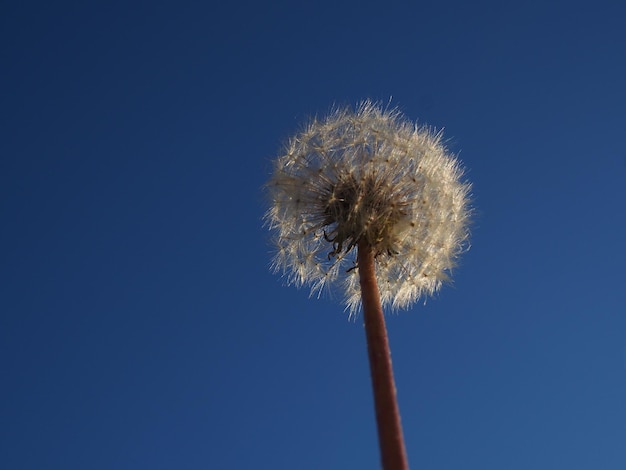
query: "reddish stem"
390, 438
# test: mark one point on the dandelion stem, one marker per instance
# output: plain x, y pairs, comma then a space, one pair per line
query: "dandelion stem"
390, 438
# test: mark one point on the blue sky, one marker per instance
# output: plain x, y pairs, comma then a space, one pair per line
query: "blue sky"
140, 326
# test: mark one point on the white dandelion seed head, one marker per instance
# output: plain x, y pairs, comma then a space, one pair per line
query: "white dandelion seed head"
372, 175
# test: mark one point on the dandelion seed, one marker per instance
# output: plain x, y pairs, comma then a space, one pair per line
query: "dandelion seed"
368, 175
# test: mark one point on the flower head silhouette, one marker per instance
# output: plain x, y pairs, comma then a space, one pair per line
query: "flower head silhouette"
368, 176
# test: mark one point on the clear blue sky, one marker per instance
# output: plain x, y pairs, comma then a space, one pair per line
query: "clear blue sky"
140, 326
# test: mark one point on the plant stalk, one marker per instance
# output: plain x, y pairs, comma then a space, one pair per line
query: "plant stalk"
390, 437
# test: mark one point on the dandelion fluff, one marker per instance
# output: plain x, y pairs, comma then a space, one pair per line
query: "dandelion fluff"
368, 175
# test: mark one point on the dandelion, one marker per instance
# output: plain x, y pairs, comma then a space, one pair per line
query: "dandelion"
371, 203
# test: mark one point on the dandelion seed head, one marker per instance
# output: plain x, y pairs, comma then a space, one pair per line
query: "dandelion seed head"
372, 175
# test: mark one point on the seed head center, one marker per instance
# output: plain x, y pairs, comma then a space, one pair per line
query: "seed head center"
364, 209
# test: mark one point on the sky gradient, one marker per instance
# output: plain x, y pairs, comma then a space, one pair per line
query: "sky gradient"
140, 325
